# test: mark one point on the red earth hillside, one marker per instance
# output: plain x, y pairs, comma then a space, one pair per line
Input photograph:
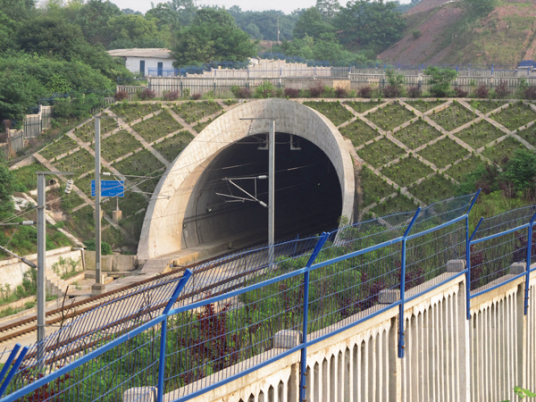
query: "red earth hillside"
506, 36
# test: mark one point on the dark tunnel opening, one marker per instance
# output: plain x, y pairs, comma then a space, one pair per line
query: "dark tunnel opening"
308, 196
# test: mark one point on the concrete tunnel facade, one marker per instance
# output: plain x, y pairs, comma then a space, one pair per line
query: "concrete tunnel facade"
182, 212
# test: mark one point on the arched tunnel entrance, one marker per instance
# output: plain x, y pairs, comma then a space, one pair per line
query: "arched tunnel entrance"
308, 196
314, 186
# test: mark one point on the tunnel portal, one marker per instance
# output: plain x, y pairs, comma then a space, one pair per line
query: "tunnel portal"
308, 197
314, 185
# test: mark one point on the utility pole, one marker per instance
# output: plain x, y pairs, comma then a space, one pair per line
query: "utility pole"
98, 287
271, 192
41, 264
41, 259
271, 185
278, 29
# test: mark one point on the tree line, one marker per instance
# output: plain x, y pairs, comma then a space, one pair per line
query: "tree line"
58, 48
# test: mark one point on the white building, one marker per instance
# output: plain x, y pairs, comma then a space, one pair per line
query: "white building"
146, 61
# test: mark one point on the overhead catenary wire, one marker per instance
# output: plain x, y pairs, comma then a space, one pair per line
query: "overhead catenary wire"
146, 178
149, 177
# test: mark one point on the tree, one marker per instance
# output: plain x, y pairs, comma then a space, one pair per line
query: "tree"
185, 9
163, 16
328, 48
135, 28
311, 23
366, 24
7, 29
26, 78
17, 10
253, 31
325, 48
266, 21
51, 36
440, 80
93, 19
19, 93
54, 37
302, 48
130, 12
212, 36
214, 16
175, 13
328, 8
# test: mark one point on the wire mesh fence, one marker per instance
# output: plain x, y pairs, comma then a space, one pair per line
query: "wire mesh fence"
223, 338
195, 330
131, 364
505, 221
349, 290
500, 246
492, 259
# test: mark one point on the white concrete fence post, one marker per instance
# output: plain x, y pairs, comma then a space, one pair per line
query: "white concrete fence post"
140, 394
288, 339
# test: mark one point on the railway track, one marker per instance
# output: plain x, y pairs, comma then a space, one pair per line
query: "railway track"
69, 311
54, 317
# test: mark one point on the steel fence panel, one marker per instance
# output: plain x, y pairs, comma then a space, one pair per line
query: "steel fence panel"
492, 258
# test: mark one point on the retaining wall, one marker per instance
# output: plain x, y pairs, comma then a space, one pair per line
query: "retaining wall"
12, 270
112, 263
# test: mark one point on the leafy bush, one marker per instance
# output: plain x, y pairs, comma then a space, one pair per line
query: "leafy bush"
502, 90
460, 93
317, 90
196, 96
440, 80
530, 92
391, 91
521, 170
106, 249
328, 92
77, 105
304, 93
414, 91
394, 88
147, 94
29, 284
365, 92
244, 93
416, 34
517, 172
341, 93
265, 90
292, 93
27, 77
482, 91
171, 95
121, 95
235, 89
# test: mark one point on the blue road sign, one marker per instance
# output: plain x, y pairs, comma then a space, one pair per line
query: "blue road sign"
110, 188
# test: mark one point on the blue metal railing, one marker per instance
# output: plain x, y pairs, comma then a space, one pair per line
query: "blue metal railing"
507, 241
207, 327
